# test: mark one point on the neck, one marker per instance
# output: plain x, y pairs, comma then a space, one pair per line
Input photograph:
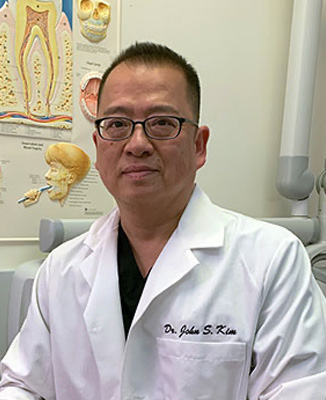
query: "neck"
149, 227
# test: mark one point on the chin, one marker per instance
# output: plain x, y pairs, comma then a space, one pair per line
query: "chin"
56, 196
135, 197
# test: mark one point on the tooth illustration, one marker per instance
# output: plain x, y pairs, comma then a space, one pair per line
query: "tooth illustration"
36, 19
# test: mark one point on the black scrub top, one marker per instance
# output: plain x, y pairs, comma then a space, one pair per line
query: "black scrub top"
131, 281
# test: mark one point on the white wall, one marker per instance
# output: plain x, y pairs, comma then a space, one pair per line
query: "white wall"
240, 49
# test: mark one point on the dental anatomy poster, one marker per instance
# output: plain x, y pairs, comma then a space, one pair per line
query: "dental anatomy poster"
52, 57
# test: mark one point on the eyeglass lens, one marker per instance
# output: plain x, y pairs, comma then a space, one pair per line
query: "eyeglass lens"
157, 127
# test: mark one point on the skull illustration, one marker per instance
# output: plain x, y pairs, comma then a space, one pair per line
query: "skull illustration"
94, 17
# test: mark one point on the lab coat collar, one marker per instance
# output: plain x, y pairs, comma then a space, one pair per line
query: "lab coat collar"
202, 223
104, 230
196, 224
197, 229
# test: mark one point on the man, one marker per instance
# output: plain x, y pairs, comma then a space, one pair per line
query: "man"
168, 297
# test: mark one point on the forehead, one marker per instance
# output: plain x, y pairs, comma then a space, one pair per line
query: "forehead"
144, 85
141, 70
56, 165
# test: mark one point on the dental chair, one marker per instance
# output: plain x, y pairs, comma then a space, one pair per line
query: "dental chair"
51, 234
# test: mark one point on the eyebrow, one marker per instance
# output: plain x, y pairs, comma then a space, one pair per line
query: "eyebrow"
159, 108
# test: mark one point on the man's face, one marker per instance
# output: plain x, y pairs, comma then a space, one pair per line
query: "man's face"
140, 169
59, 177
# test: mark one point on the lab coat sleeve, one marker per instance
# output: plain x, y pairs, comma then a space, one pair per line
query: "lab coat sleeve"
289, 352
26, 369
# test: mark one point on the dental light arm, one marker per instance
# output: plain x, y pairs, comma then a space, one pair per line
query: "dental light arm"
295, 181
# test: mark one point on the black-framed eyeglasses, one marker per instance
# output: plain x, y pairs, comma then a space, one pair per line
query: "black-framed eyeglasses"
160, 127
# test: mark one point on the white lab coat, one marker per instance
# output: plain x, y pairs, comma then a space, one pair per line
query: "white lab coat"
230, 311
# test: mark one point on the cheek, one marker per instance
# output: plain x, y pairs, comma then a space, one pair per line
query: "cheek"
185, 160
55, 177
107, 156
62, 177
179, 167
105, 151
50, 174
107, 159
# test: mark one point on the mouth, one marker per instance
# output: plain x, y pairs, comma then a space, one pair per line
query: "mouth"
51, 188
138, 171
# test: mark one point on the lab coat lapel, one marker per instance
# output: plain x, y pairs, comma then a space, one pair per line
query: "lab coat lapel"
175, 261
102, 315
195, 231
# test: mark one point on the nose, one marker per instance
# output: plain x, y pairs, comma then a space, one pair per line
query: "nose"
139, 145
96, 14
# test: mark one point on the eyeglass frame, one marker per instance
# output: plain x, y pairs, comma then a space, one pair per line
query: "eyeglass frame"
181, 121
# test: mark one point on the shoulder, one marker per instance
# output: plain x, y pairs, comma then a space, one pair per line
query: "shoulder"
206, 218
77, 250
245, 228
248, 244
268, 252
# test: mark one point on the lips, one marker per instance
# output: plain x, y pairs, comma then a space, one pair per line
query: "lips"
51, 188
138, 171
137, 168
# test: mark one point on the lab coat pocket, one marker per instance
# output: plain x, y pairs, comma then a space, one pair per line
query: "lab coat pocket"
201, 371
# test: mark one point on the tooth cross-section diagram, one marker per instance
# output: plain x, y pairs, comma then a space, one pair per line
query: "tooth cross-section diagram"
36, 76
36, 20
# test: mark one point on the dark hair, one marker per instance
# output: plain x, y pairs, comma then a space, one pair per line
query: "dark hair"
152, 54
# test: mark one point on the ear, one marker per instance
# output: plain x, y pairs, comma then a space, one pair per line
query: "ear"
71, 178
94, 134
95, 140
201, 140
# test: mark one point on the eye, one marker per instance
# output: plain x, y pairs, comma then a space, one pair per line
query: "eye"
163, 122
114, 123
85, 9
104, 10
